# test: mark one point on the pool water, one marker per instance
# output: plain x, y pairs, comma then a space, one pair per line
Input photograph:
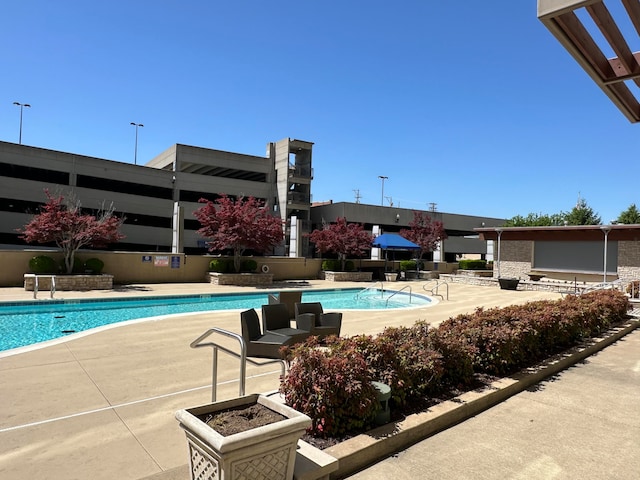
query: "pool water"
26, 323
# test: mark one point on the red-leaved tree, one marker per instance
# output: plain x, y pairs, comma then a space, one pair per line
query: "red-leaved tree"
238, 225
424, 232
62, 221
343, 239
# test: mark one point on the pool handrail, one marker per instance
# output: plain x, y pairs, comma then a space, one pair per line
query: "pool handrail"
373, 285
242, 356
398, 291
434, 288
36, 286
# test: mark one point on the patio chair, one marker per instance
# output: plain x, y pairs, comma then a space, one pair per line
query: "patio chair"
275, 319
288, 298
325, 323
261, 345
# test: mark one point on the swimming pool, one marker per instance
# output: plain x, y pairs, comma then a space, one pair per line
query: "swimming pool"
27, 323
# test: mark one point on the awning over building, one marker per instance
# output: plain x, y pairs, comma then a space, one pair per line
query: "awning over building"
563, 233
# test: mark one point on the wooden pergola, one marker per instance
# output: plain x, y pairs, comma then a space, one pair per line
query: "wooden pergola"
619, 76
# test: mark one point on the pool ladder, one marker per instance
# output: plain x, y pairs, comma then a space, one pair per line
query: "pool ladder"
398, 291
36, 286
197, 343
433, 289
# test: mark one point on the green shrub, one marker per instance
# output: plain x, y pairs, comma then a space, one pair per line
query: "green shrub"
78, 266
221, 265
472, 264
407, 265
94, 266
43, 264
349, 266
248, 265
332, 386
331, 265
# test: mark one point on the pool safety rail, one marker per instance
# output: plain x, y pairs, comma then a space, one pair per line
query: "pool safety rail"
371, 287
406, 287
36, 286
199, 342
433, 286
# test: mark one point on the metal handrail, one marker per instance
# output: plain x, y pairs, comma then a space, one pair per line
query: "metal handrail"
35, 288
434, 289
371, 287
53, 286
398, 291
242, 356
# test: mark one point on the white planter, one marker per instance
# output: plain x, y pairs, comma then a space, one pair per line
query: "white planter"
267, 452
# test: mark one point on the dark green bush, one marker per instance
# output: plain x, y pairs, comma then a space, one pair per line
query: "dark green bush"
472, 264
94, 266
349, 266
221, 265
43, 264
407, 265
331, 265
78, 266
248, 265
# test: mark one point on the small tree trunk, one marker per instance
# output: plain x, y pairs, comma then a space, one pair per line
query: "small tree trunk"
236, 260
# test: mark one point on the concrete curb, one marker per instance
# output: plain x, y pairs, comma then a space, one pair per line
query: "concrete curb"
366, 449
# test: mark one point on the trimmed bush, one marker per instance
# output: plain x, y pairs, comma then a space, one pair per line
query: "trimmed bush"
78, 266
94, 266
332, 386
221, 265
349, 266
472, 264
43, 264
331, 265
408, 265
248, 265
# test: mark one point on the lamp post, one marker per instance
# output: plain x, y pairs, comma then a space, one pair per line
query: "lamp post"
21, 105
499, 230
382, 196
135, 154
605, 229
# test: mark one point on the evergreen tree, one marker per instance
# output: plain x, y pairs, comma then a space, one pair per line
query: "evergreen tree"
630, 216
582, 214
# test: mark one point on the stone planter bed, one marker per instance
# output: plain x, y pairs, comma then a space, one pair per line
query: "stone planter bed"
68, 282
242, 279
347, 276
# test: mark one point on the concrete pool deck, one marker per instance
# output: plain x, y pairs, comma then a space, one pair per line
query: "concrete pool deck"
102, 406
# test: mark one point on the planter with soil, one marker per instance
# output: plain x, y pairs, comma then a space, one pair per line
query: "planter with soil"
246, 437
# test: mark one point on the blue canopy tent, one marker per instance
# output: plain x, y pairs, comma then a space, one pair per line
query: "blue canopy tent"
394, 242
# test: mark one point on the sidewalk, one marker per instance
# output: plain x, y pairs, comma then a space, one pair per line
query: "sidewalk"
583, 423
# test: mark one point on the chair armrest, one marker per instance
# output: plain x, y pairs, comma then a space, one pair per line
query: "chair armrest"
331, 319
306, 321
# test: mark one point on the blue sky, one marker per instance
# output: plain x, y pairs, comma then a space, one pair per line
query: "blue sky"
471, 105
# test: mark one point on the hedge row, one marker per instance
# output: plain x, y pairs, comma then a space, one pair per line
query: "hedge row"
333, 384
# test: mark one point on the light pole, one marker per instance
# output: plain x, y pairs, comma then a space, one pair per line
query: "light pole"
383, 179
21, 105
499, 230
135, 154
605, 229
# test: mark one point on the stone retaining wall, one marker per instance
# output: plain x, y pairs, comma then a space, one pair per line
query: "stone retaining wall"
348, 276
68, 282
242, 279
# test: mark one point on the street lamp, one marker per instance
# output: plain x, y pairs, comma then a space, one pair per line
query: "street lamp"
135, 154
499, 231
21, 105
605, 229
383, 179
